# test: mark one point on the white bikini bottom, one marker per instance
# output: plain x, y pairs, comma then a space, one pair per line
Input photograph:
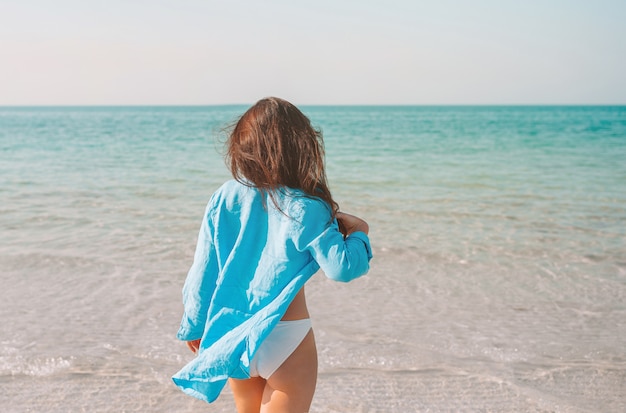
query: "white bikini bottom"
278, 346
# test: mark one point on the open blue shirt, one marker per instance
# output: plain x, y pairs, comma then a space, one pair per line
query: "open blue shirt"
251, 260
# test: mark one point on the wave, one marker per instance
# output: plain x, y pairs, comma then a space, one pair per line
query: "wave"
34, 367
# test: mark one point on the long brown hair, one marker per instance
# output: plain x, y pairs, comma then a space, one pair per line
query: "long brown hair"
273, 145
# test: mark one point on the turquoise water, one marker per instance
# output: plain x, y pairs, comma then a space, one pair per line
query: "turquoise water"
498, 283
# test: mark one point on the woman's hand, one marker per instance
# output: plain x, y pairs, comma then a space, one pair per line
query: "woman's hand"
350, 223
194, 345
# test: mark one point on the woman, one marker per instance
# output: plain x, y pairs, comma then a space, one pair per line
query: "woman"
263, 236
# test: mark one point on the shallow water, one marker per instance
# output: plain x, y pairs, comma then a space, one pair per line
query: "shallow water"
498, 282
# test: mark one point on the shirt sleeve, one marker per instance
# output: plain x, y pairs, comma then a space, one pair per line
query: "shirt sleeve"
200, 283
341, 259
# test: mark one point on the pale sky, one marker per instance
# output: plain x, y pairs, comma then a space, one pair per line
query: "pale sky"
196, 52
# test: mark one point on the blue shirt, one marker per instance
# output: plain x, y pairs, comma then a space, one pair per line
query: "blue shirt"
251, 260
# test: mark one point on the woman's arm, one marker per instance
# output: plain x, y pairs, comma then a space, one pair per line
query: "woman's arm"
199, 284
343, 255
194, 345
350, 223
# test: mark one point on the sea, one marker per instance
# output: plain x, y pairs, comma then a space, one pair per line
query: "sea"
498, 282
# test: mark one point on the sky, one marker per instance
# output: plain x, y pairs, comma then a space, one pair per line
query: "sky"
388, 52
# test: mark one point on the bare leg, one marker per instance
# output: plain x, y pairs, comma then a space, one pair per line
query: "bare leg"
290, 389
248, 394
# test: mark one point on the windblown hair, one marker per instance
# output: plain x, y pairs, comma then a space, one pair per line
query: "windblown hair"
273, 145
